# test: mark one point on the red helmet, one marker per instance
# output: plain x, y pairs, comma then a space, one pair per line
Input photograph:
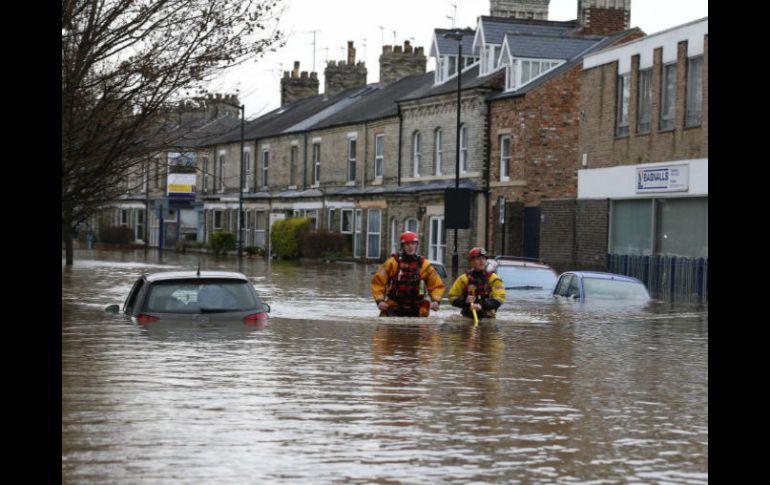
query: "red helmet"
477, 252
409, 236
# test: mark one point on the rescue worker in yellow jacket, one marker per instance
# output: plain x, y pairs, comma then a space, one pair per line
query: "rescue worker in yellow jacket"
477, 289
397, 286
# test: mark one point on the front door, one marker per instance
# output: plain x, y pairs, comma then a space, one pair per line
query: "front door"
531, 232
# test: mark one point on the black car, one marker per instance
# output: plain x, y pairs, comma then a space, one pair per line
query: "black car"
218, 295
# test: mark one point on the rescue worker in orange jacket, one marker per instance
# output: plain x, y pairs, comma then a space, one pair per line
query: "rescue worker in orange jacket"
397, 286
478, 289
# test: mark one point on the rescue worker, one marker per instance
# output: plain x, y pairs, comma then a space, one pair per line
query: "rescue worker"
478, 289
400, 283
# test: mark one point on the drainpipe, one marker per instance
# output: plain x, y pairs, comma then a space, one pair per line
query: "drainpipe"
400, 131
366, 157
304, 163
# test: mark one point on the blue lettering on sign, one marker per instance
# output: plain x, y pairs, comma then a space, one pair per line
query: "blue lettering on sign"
656, 176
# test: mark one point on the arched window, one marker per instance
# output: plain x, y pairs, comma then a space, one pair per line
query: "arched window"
416, 153
411, 224
439, 151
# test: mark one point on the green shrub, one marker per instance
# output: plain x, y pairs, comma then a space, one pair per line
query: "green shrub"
222, 241
116, 235
316, 244
286, 236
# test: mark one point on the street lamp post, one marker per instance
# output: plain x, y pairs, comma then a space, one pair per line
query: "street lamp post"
240, 194
458, 36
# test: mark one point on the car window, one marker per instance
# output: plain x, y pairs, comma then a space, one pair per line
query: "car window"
196, 296
596, 288
440, 270
524, 277
573, 290
566, 283
132, 295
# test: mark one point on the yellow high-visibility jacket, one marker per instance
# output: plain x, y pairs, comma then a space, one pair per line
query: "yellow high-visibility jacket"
459, 292
389, 271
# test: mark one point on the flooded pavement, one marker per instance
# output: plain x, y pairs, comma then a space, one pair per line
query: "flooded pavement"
329, 392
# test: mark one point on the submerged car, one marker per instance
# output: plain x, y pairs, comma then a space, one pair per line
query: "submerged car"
591, 285
440, 269
219, 295
523, 273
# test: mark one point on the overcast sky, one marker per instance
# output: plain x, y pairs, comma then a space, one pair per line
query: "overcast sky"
372, 23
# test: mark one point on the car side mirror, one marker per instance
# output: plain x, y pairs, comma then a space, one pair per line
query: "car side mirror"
267, 307
112, 309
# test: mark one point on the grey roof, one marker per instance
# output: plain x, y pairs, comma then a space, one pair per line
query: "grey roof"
495, 28
376, 103
283, 119
205, 134
600, 44
547, 47
470, 80
410, 188
449, 46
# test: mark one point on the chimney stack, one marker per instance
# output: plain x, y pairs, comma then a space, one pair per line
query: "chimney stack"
298, 85
604, 17
520, 9
397, 63
343, 75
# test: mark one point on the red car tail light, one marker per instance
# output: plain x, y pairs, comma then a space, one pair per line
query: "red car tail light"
144, 318
255, 319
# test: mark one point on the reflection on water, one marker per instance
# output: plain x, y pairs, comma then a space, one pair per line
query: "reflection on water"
329, 392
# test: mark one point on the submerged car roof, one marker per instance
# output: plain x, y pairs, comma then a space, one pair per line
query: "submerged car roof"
179, 275
605, 276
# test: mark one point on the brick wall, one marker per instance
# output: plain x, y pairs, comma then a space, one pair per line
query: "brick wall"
543, 126
598, 108
573, 234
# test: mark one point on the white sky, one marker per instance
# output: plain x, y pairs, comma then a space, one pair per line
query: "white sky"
338, 21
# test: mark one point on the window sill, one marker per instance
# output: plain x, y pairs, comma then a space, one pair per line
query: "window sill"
667, 130
694, 127
350, 183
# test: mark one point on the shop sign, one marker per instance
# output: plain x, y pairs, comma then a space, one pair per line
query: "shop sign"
671, 178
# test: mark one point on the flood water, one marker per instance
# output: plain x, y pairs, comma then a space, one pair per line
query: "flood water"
329, 392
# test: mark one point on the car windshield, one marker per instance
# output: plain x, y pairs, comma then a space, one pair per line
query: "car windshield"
526, 277
200, 297
598, 288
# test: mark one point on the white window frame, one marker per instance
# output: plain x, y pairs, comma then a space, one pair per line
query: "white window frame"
623, 104
358, 219
463, 148
379, 155
505, 158
260, 231
668, 104
123, 217
438, 153
351, 165
221, 174
139, 235
693, 112
204, 169
214, 226
408, 222
342, 221
416, 153
330, 219
394, 241
644, 102
265, 166
316, 163
436, 250
248, 169
371, 232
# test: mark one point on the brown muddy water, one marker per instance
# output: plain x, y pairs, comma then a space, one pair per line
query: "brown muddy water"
328, 392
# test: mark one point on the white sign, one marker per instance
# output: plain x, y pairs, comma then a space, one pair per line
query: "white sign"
672, 178
181, 185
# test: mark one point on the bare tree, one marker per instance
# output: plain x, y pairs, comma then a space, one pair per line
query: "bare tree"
123, 63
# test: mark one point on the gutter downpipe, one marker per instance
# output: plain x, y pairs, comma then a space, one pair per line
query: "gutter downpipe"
304, 162
400, 131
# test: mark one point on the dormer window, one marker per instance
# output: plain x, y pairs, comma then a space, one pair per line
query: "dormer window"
519, 72
490, 54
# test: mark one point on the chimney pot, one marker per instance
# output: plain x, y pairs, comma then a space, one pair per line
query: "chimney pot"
351, 53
